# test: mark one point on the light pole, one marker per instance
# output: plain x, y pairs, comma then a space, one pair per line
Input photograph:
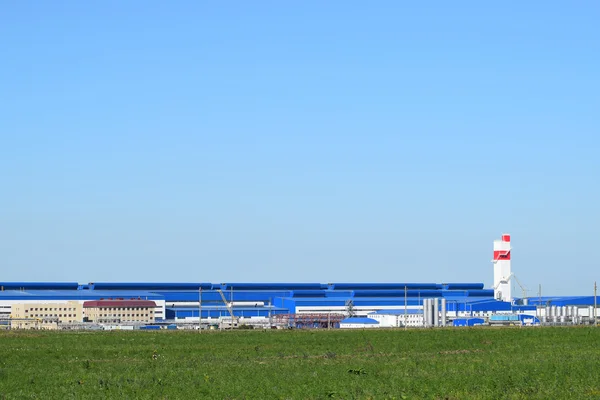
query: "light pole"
200, 309
405, 308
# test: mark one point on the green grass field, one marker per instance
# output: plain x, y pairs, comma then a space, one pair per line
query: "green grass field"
479, 363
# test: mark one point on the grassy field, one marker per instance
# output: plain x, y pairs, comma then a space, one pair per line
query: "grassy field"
479, 363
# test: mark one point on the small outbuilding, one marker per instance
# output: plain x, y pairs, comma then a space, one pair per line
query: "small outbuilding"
358, 323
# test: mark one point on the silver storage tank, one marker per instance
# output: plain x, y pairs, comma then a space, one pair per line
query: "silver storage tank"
443, 312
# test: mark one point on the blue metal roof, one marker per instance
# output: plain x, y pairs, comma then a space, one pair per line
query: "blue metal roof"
308, 293
76, 295
398, 293
149, 285
224, 308
480, 293
359, 320
270, 286
463, 286
38, 286
384, 286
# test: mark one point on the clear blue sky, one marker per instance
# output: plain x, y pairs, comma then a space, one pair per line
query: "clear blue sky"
315, 141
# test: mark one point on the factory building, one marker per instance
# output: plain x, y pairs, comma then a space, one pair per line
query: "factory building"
52, 292
117, 311
358, 323
45, 315
321, 304
412, 318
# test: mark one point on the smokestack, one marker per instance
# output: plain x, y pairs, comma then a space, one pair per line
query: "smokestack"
502, 269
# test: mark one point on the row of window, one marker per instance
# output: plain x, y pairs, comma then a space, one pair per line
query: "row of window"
55, 315
119, 315
51, 309
123, 308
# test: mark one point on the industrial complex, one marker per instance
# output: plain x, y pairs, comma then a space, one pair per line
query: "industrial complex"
193, 305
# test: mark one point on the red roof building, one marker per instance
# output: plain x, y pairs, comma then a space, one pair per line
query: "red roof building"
119, 310
118, 303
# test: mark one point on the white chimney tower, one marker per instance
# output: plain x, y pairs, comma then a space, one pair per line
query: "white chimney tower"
502, 272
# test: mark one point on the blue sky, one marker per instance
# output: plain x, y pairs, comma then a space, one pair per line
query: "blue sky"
263, 141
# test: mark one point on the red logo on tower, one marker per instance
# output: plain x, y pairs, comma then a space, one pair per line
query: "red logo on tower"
501, 255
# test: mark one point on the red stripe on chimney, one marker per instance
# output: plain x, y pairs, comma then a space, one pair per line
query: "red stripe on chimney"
501, 255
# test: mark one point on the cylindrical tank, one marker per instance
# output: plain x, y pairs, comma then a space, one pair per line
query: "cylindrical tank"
430, 309
525, 301
547, 309
426, 312
443, 312
564, 313
554, 314
436, 312
591, 312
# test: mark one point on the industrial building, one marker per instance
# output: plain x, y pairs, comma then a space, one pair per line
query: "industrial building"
45, 315
358, 322
117, 311
398, 318
298, 305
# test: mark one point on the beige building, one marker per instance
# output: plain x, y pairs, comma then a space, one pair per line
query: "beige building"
45, 315
116, 311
